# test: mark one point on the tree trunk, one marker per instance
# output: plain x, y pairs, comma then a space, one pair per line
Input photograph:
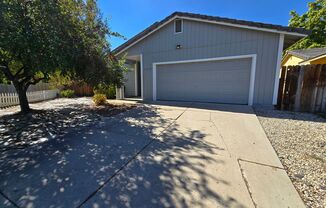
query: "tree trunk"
23, 102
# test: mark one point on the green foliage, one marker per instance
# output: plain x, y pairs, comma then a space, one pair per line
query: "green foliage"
67, 93
31, 38
111, 92
38, 38
315, 20
98, 65
59, 80
3, 79
99, 99
108, 90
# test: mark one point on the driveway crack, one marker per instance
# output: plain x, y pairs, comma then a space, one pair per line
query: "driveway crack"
245, 178
262, 164
218, 132
247, 183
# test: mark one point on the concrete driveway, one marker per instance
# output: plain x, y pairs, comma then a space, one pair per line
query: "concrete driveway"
160, 155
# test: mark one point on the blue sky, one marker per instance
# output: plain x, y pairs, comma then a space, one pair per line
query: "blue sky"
129, 17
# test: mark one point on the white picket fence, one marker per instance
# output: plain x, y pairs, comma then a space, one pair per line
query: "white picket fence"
11, 99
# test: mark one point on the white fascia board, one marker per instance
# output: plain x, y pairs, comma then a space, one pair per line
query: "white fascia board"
215, 22
278, 68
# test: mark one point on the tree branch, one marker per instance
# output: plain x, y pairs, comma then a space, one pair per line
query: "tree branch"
19, 71
24, 79
5, 69
34, 81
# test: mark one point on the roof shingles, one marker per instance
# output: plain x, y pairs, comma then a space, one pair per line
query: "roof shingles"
308, 53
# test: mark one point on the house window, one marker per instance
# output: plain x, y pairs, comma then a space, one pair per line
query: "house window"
178, 26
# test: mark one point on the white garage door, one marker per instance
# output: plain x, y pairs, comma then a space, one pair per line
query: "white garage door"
225, 81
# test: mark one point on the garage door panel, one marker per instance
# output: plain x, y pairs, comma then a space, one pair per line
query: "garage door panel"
213, 81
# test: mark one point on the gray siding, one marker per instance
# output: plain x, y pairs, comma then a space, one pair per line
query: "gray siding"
205, 40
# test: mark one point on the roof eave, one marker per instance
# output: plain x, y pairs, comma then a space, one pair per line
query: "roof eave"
176, 15
246, 27
313, 58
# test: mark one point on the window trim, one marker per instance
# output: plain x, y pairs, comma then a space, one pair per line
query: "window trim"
175, 21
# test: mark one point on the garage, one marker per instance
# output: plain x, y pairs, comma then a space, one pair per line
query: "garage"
214, 80
193, 57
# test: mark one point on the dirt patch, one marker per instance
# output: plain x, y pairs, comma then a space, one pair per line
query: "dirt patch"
110, 109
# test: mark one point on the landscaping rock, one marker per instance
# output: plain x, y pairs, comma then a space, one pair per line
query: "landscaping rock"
299, 140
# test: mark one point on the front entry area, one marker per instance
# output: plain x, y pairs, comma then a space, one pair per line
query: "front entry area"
132, 78
219, 81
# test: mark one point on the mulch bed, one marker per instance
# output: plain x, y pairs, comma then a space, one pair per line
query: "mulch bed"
110, 109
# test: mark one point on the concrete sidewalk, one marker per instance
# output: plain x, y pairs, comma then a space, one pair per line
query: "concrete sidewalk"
160, 155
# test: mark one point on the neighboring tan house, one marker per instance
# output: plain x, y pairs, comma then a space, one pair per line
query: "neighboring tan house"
199, 58
304, 57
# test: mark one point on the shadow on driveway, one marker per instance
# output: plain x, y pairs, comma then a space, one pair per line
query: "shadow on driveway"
168, 175
97, 166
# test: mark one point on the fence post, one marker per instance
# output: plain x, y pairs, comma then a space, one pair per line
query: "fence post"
7, 99
297, 103
1, 103
315, 90
281, 88
285, 97
323, 100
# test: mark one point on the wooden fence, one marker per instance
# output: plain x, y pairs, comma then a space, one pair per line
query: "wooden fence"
82, 89
11, 99
303, 88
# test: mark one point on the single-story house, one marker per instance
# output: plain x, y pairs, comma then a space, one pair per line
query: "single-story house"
193, 57
304, 57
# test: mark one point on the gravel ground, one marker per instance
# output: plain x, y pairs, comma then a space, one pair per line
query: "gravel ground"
50, 120
300, 142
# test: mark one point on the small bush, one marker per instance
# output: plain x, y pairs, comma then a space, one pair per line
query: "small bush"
67, 93
99, 99
108, 90
111, 92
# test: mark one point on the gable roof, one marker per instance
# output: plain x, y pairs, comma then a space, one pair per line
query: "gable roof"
306, 54
212, 19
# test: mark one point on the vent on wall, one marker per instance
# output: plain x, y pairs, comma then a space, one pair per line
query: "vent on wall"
178, 26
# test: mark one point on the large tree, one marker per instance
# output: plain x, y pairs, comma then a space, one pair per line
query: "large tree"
40, 37
315, 20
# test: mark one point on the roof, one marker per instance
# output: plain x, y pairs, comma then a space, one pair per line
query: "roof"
307, 54
214, 19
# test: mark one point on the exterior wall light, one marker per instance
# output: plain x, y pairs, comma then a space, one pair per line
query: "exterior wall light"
178, 46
